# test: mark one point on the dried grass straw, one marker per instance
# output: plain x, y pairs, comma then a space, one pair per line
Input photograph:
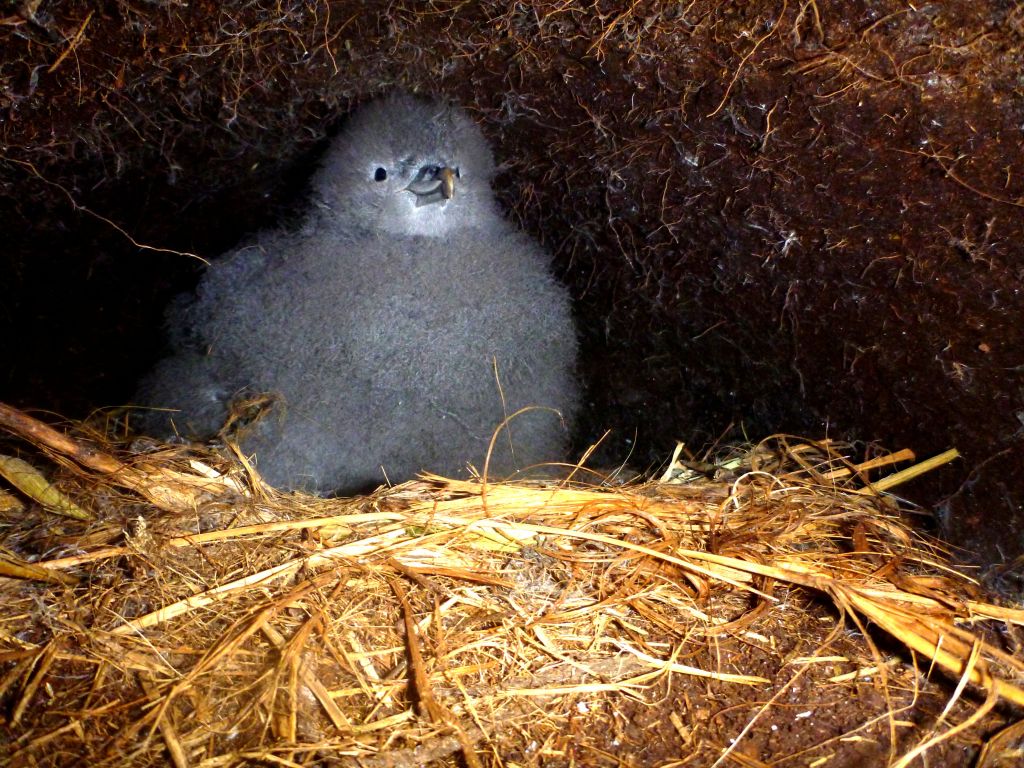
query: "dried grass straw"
214, 620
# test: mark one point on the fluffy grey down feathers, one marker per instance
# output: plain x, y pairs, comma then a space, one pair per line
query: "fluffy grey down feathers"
396, 327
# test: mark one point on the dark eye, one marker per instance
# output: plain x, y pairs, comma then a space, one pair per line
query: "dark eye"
380, 174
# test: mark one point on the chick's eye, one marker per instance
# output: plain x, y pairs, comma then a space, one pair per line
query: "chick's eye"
380, 174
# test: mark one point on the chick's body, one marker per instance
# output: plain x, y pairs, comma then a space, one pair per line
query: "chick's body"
397, 327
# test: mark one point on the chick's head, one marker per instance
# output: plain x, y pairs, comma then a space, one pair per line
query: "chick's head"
409, 166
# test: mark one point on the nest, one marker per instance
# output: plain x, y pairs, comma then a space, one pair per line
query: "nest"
167, 607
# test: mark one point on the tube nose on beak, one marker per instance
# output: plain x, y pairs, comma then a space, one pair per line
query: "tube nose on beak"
433, 184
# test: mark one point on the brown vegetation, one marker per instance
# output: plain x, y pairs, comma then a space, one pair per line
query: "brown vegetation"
675, 622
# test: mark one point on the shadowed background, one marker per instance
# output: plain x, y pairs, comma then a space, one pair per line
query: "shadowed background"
773, 216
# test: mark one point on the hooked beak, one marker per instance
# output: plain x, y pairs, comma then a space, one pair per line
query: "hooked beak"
433, 184
447, 183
